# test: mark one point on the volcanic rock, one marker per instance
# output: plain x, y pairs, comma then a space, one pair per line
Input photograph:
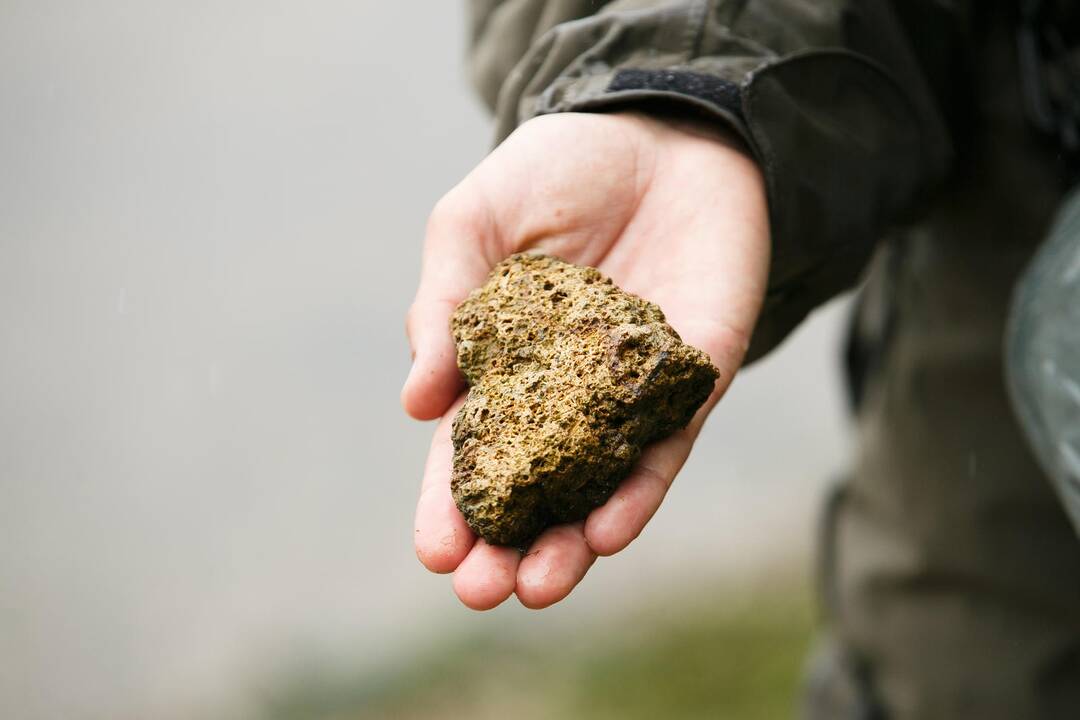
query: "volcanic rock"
570, 377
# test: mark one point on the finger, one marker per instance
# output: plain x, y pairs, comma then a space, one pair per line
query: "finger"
486, 576
455, 261
616, 523
554, 565
441, 536
726, 346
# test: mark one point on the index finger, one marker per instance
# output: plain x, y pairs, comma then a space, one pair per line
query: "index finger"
441, 536
455, 261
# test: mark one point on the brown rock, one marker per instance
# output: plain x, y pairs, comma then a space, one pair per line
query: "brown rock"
570, 378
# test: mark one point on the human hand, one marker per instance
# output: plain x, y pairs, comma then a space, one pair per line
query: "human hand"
672, 212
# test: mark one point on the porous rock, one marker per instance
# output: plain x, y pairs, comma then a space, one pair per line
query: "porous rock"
570, 377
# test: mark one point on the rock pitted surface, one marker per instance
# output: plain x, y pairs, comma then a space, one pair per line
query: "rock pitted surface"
570, 378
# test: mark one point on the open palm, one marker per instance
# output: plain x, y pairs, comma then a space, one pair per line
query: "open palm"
672, 212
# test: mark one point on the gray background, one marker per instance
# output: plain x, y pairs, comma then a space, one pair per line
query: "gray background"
210, 218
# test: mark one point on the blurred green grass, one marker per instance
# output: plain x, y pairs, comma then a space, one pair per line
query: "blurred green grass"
723, 653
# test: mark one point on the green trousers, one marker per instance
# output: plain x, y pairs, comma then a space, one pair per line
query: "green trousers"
951, 576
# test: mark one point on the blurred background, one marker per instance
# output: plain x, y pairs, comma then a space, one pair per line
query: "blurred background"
210, 222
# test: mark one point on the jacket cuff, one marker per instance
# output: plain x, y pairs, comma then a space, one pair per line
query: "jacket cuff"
846, 149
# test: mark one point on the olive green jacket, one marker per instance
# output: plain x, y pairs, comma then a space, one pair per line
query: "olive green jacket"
829, 96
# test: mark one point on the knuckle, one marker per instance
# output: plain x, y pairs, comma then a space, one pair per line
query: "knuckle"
453, 212
652, 477
445, 211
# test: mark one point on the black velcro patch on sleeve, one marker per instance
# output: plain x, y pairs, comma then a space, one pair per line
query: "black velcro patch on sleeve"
710, 88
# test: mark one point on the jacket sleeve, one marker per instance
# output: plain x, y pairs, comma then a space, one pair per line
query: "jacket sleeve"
829, 96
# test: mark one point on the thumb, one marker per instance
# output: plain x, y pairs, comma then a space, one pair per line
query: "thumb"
454, 262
